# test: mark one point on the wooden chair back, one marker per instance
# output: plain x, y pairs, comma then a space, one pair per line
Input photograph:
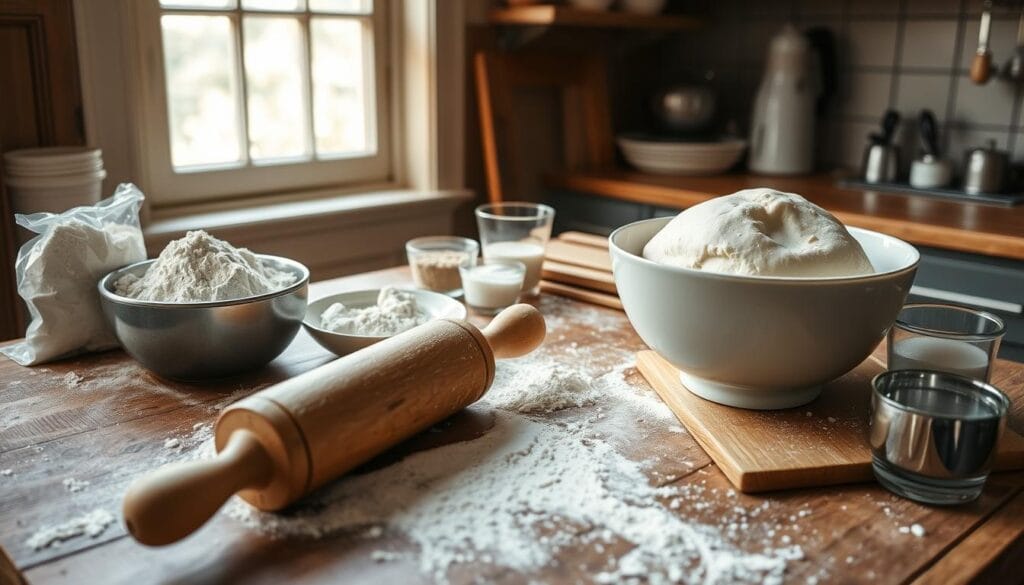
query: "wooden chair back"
580, 85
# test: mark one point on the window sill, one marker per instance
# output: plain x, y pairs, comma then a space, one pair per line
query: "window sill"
268, 220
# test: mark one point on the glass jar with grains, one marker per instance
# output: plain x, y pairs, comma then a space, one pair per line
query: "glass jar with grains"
435, 262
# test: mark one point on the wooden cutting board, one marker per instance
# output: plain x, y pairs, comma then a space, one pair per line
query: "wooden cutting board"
822, 443
579, 262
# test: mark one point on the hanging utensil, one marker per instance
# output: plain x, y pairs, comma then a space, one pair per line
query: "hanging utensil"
1014, 68
981, 66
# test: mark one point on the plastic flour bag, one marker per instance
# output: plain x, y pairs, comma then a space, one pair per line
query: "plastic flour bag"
58, 270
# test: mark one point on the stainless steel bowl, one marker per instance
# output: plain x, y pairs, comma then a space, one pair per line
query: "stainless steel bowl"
686, 108
206, 340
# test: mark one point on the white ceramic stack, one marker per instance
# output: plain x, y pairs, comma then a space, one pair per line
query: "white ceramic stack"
53, 179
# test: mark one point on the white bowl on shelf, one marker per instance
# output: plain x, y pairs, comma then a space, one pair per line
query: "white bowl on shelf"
682, 158
760, 342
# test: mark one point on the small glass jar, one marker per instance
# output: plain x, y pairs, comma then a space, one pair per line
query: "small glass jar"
435, 262
945, 338
492, 285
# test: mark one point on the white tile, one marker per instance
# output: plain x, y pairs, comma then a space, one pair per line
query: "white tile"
929, 43
949, 8
916, 91
868, 43
1002, 41
864, 94
990, 104
848, 144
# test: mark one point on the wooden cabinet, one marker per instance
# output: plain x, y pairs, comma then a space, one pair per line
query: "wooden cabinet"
40, 105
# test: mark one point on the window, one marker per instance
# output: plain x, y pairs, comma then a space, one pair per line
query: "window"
260, 96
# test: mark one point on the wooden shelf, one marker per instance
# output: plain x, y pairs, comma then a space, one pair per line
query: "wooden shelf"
549, 15
953, 225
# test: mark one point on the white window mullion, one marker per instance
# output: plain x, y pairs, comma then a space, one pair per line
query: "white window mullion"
243, 84
307, 73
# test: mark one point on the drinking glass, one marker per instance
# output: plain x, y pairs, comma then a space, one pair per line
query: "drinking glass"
516, 231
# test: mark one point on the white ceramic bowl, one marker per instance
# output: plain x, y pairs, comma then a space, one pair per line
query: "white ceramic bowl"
682, 158
756, 341
435, 305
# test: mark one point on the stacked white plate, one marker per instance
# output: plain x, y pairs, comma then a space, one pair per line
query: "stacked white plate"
53, 179
664, 157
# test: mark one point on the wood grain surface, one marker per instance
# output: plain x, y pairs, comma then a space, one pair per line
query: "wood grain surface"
103, 419
952, 225
820, 444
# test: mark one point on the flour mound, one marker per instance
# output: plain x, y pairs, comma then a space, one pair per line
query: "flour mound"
541, 389
200, 268
759, 232
396, 311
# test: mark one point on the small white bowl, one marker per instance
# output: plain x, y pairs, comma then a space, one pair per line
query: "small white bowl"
760, 342
434, 305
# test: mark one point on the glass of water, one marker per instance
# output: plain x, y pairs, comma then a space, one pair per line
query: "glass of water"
945, 338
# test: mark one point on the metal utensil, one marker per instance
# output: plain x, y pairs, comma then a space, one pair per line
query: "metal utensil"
206, 340
981, 65
1014, 68
686, 108
881, 160
934, 435
985, 169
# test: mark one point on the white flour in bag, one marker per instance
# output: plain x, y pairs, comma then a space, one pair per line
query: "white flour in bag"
200, 268
58, 271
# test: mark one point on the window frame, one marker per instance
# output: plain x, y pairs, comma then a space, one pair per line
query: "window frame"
169, 187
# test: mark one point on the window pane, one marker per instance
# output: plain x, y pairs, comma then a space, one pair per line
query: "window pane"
279, 5
202, 89
200, 4
342, 104
342, 6
274, 57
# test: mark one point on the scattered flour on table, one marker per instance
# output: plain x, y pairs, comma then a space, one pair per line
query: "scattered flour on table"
91, 524
516, 497
200, 268
394, 312
6, 472
172, 443
73, 379
75, 485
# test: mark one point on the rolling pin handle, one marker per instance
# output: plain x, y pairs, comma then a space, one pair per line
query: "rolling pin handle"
516, 331
173, 502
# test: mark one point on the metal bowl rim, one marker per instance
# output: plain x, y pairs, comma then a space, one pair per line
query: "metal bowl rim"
110, 295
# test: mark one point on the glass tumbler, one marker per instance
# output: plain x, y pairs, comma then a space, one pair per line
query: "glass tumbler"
516, 231
945, 338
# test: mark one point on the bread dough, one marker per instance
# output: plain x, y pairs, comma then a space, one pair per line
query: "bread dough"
759, 232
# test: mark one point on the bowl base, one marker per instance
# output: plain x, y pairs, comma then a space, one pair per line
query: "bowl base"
745, 397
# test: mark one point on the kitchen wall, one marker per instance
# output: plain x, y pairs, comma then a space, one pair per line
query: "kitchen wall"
904, 54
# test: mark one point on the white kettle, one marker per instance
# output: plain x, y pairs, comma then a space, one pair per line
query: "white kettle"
782, 133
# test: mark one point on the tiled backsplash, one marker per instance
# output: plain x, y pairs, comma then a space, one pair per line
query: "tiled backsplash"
904, 54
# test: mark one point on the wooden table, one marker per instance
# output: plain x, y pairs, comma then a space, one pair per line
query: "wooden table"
953, 225
103, 419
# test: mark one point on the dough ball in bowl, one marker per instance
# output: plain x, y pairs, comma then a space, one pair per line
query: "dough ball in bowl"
760, 341
759, 232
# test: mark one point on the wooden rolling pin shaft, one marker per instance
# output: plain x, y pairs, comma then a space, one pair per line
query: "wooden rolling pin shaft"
283, 442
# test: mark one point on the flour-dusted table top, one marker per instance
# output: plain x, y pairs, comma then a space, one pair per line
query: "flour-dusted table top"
104, 420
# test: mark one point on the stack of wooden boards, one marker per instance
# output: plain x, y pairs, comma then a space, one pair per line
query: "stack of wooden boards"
577, 265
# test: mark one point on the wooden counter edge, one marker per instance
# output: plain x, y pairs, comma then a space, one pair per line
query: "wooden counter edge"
988, 554
938, 236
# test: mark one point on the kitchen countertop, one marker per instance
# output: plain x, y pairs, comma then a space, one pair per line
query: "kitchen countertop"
103, 419
952, 225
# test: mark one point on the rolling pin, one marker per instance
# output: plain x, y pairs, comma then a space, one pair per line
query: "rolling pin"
287, 440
